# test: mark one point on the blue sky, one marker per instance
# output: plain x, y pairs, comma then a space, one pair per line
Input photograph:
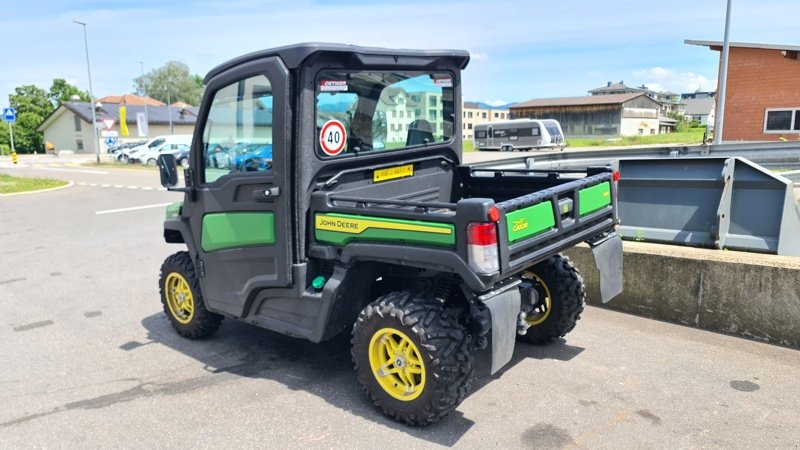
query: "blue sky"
520, 49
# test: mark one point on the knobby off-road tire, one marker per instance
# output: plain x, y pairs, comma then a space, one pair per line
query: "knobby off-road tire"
561, 289
412, 357
182, 300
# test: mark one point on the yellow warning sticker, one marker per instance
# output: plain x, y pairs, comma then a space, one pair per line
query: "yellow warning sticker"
391, 173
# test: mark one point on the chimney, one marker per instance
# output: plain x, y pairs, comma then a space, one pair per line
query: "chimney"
609, 84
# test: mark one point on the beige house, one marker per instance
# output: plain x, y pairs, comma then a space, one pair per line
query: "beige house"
475, 113
69, 127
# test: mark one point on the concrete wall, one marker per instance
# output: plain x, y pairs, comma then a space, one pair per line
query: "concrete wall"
746, 294
631, 126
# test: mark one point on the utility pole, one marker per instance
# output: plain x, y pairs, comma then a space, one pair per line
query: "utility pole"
723, 79
91, 92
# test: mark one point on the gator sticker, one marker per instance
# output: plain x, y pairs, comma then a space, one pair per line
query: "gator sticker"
594, 198
342, 228
529, 221
393, 172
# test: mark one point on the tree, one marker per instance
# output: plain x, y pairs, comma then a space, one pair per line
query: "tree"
171, 83
61, 92
33, 105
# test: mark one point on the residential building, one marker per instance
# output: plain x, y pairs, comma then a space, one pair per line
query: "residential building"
670, 102
605, 115
699, 94
69, 127
762, 100
700, 109
475, 112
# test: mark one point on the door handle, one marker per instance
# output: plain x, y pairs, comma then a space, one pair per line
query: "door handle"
266, 194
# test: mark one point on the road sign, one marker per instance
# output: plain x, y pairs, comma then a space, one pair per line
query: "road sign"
111, 141
333, 137
109, 123
9, 115
106, 133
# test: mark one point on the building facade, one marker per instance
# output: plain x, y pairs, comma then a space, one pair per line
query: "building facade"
69, 127
762, 100
474, 113
607, 115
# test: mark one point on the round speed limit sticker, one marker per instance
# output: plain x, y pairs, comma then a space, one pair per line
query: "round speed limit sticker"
333, 137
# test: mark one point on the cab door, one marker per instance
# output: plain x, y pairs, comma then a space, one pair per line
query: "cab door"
240, 216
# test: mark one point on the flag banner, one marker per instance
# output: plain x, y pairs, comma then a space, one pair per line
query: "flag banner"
123, 122
141, 124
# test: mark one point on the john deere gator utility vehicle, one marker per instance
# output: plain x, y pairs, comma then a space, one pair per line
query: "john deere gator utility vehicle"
325, 194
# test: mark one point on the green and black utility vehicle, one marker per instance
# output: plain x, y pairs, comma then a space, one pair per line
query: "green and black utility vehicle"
325, 194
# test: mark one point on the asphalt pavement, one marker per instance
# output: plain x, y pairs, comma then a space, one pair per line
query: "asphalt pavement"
89, 360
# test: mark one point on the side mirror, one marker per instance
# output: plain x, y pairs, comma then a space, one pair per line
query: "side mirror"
168, 170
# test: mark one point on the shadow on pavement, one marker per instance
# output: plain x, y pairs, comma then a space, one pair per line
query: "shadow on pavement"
324, 370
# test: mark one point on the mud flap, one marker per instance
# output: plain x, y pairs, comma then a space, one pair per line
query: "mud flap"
505, 308
608, 259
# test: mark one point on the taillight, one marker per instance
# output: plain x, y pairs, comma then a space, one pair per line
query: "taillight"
616, 175
482, 247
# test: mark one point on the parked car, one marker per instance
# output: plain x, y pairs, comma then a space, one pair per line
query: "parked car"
255, 157
150, 156
132, 155
115, 150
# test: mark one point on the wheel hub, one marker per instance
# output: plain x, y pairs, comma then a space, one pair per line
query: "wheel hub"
397, 364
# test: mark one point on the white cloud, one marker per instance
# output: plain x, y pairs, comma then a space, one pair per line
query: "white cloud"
663, 79
495, 102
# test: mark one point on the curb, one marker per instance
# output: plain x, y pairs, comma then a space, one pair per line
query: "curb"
70, 184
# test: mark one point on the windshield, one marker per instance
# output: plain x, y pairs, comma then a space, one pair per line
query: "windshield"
376, 111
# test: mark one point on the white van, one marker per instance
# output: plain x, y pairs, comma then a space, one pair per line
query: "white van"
519, 134
133, 154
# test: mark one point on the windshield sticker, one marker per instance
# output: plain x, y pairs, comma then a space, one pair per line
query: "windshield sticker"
443, 82
333, 86
333, 137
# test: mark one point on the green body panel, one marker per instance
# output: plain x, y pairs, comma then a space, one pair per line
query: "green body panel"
237, 229
594, 198
174, 210
529, 221
339, 229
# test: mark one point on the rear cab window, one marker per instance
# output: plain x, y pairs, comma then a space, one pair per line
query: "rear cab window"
361, 112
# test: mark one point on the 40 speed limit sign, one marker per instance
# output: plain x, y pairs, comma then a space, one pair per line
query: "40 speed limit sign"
333, 137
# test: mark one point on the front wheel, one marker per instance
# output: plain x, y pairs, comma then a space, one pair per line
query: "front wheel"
182, 300
562, 296
412, 357
151, 162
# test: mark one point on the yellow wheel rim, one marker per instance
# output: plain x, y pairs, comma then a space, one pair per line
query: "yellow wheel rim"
397, 365
546, 304
179, 298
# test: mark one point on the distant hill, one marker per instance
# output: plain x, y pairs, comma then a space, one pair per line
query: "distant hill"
483, 105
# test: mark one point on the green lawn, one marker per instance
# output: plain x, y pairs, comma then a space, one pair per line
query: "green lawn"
691, 136
14, 185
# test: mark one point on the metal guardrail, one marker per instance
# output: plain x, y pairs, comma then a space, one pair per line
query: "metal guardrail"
764, 153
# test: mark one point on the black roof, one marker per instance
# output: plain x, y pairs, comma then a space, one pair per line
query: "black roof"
294, 56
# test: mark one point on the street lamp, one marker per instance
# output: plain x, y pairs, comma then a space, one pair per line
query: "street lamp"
144, 91
91, 93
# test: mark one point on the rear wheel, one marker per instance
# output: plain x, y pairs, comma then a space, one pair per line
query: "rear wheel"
151, 162
412, 357
562, 296
183, 303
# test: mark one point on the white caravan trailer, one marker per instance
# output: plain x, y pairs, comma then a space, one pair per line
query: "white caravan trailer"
519, 134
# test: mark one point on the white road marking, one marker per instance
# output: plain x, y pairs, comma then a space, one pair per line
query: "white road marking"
92, 184
135, 208
147, 189
162, 189
81, 184
118, 186
105, 185
133, 187
96, 172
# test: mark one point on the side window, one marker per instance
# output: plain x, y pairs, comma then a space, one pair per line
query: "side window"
238, 132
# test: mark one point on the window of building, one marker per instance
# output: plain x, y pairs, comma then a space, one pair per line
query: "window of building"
402, 114
79, 144
483, 115
496, 115
469, 126
782, 121
469, 115
77, 123
433, 101
394, 114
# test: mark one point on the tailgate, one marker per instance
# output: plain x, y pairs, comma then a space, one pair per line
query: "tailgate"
546, 222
